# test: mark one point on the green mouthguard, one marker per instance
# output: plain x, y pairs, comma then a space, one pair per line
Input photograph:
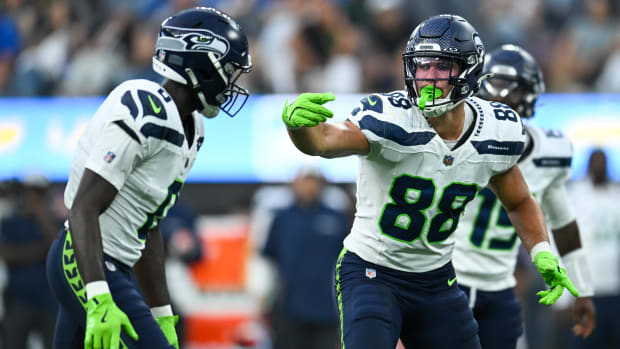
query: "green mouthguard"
426, 94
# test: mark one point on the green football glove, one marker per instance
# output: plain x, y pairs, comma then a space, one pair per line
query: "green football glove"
307, 110
554, 276
167, 323
103, 323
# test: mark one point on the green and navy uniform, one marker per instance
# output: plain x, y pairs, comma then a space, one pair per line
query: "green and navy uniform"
135, 141
395, 278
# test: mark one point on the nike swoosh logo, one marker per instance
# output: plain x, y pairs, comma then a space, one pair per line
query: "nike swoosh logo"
104, 315
451, 282
156, 109
370, 101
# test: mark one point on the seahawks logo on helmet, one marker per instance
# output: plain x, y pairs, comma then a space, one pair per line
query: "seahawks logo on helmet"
182, 39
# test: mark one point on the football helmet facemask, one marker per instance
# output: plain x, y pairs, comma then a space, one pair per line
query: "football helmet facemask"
516, 79
455, 45
206, 50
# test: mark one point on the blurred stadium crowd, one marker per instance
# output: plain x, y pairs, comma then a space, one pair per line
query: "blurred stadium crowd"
72, 47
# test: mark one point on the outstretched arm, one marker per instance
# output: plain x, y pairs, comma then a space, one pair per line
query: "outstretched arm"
305, 118
527, 218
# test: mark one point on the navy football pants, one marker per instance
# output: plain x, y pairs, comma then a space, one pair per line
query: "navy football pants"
498, 315
68, 287
378, 305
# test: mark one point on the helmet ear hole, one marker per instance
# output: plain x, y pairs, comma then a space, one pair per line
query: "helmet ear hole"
204, 75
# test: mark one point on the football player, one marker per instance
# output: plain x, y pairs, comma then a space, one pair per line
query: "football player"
486, 242
424, 154
107, 266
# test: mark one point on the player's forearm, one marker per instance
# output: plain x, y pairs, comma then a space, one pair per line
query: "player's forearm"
567, 238
330, 140
86, 239
309, 140
150, 271
528, 220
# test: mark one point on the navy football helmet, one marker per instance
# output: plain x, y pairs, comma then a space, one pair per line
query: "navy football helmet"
206, 50
516, 79
451, 39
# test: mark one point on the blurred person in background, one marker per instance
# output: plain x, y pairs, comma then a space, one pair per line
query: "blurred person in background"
279, 26
608, 79
106, 267
487, 244
388, 30
41, 64
303, 243
595, 199
316, 44
580, 49
10, 44
180, 235
275, 23
110, 47
25, 237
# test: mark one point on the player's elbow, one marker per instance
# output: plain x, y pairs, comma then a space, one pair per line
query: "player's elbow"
81, 213
311, 150
522, 203
315, 147
328, 154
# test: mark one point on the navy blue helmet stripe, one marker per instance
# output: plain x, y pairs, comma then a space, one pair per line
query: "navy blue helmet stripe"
394, 133
553, 162
161, 132
498, 148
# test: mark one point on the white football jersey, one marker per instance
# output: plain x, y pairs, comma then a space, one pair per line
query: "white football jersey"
412, 188
136, 142
487, 244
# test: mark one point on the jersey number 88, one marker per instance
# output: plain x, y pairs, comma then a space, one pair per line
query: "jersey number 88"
404, 220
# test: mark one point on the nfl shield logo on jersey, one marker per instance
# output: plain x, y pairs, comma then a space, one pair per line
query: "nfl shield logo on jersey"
448, 159
371, 273
109, 157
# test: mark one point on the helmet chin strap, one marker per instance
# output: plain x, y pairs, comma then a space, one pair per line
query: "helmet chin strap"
208, 110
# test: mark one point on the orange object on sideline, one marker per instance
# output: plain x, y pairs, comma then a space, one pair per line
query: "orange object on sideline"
225, 243
217, 330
